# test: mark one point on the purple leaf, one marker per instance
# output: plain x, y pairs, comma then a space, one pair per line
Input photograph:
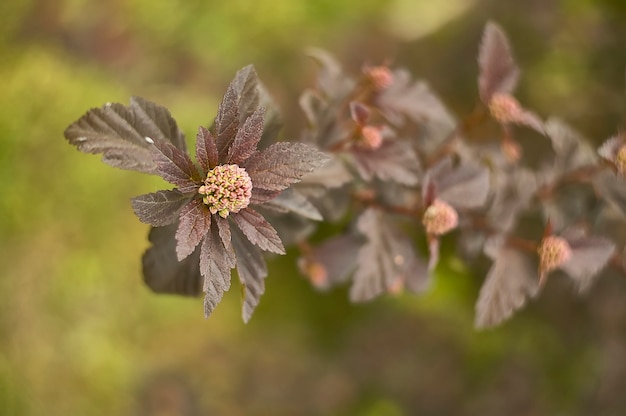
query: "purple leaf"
175, 166
386, 262
463, 186
590, 254
610, 148
247, 138
155, 121
258, 230
498, 70
511, 280
252, 271
159, 208
118, 132
513, 192
612, 189
223, 227
359, 112
215, 267
282, 164
248, 89
392, 161
415, 101
162, 271
367, 282
206, 151
332, 261
261, 196
333, 175
227, 120
195, 222
290, 200
331, 80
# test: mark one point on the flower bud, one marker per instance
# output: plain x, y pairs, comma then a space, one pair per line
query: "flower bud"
553, 253
226, 189
380, 77
439, 218
315, 271
372, 137
504, 108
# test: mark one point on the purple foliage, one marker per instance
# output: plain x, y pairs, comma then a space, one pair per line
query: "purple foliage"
382, 157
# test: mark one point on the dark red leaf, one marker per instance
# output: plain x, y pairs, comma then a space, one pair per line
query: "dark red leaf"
156, 122
392, 161
463, 186
206, 151
258, 230
610, 148
159, 208
162, 271
406, 100
513, 191
282, 164
215, 267
331, 80
571, 150
118, 132
333, 175
227, 121
223, 227
386, 262
252, 271
511, 280
332, 261
590, 254
246, 85
290, 200
245, 143
498, 70
195, 222
261, 196
359, 112
175, 166
612, 189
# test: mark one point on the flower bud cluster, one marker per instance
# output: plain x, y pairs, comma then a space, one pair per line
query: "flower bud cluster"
226, 189
439, 218
553, 253
504, 108
380, 77
372, 137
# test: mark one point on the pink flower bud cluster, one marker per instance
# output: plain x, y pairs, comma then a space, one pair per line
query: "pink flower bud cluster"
226, 189
439, 218
504, 108
553, 253
372, 137
380, 77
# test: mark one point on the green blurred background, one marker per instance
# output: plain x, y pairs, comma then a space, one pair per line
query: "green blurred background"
80, 334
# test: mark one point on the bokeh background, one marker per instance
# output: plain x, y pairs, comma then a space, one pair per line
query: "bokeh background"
80, 334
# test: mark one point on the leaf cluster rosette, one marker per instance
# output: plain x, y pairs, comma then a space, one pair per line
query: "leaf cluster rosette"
208, 224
